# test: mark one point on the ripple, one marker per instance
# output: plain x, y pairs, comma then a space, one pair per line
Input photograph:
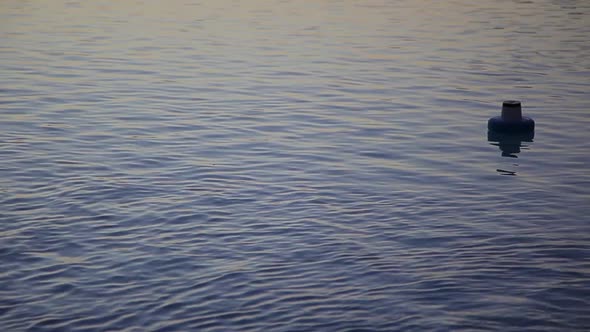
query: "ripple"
298, 167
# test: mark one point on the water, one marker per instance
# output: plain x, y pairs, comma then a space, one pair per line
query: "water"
293, 166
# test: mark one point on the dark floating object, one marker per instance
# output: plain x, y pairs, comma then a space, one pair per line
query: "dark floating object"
511, 121
511, 129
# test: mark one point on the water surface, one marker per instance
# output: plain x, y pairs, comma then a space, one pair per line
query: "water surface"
292, 166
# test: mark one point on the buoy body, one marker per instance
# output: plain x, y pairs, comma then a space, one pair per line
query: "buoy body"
511, 121
500, 125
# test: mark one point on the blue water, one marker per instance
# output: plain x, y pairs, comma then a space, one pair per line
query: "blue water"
293, 166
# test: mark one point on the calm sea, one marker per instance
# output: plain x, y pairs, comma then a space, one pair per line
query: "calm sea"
293, 165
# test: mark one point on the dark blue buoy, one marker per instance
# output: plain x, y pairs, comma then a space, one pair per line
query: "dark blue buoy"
511, 121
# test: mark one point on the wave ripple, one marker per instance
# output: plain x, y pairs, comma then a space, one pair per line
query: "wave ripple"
296, 166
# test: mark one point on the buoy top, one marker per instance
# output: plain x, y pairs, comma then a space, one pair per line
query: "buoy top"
511, 121
511, 111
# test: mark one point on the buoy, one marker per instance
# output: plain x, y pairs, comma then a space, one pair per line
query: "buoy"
511, 121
